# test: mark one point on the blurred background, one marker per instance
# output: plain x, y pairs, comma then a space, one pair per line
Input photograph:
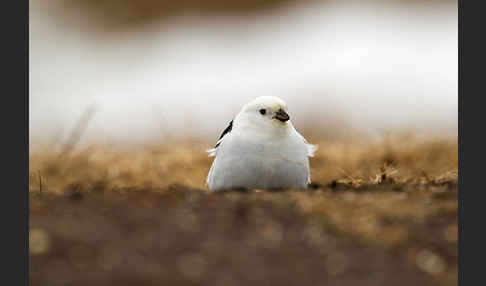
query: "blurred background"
129, 71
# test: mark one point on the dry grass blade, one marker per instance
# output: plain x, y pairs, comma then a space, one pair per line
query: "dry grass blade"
78, 130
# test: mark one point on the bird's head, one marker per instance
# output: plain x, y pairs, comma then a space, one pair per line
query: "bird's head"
265, 113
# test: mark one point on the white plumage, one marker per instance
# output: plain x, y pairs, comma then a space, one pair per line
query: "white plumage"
260, 149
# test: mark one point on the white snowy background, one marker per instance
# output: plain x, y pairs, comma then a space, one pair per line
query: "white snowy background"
345, 68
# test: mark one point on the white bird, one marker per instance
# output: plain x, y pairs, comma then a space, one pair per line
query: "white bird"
260, 149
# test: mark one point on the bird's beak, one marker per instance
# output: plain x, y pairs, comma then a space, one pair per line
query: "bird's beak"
281, 115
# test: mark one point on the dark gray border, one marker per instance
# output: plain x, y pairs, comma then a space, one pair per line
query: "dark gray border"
14, 214
471, 82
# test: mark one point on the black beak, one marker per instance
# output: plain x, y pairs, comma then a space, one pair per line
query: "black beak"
281, 115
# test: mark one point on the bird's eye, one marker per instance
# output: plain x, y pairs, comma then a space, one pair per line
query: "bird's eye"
263, 111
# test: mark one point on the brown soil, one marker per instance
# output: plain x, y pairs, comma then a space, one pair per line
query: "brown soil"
398, 227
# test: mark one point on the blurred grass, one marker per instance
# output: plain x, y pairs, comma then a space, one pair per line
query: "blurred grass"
401, 158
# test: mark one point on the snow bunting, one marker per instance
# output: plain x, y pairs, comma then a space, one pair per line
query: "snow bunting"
260, 149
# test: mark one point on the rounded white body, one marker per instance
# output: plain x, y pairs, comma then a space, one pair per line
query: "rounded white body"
243, 161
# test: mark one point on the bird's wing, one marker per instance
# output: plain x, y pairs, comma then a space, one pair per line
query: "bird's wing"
212, 152
311, 149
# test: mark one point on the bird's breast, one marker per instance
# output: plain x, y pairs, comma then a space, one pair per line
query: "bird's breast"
243, 162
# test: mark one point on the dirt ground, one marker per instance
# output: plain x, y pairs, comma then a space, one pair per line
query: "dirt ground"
376, 214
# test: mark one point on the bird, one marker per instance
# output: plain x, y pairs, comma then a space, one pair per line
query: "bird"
260, 149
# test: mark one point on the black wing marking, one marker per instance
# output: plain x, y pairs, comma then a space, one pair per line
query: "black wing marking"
226, 131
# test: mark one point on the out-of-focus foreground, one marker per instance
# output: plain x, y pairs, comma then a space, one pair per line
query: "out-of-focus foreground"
376, 213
